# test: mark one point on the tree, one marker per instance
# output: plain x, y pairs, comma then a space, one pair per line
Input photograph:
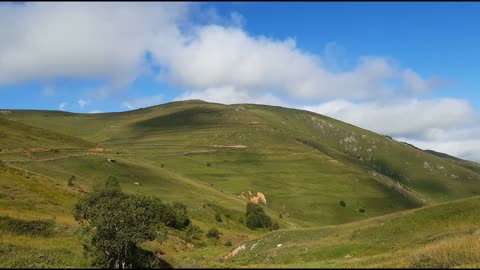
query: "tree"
213, 233
256, 217
182, 220
118, 223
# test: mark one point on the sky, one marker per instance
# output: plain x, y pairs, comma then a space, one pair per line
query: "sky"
407, 70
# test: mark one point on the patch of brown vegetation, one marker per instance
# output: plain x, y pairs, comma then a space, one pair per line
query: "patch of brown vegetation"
235, 251
239, 146
453, 252
99, 149
5, 112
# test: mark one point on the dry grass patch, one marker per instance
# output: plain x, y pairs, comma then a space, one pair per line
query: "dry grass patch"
454, 252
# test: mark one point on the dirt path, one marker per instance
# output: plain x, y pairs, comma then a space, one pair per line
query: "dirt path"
49, 159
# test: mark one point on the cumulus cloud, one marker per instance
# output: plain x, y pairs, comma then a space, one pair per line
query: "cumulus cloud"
82, 103
62, 106
136, 103
80, 40
446, 125
411, 117
217, 57
110, 41
231, 95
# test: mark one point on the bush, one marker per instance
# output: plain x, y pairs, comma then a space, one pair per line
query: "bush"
71, 180
208, 164
342, 203
192, 232
280, 216
275, 226
218, 217
361, 210
253, 208
181, 218
213, 233
256, 217
228, 243
120, 223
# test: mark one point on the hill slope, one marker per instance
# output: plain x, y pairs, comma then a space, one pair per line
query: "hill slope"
206, 155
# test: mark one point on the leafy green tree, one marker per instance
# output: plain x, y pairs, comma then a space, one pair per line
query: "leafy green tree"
182, 220
118, 223
253, 208
256, 217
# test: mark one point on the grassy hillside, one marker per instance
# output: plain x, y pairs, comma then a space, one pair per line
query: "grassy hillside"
206, 155
445, 235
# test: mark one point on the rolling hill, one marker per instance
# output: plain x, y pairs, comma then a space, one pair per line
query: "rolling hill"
206, 155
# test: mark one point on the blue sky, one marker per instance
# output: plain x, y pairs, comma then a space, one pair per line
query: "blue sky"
370, 64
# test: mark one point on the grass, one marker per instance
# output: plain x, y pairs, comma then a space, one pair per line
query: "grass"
304, 163
360, 244
461, 251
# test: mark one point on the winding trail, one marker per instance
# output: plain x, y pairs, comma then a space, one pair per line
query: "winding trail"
49, 159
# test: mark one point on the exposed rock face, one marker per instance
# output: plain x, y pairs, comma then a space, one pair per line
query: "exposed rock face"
258, 198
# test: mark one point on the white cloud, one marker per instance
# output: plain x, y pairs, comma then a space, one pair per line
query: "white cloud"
230, 95
406, 118
82, 103
62, 106
81, 40
136, 103
217, 57
445, 125
109, 41
465, 148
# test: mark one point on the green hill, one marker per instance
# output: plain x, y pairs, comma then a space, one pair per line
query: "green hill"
436, 236
206, 155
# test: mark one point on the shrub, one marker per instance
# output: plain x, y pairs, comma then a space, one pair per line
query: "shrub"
218, 217
119, 223
253, 208
256, 217
213, 233
342, 203
228, 243
208, 164
71, 180
192, 232
361, 210
275, 226
280, 216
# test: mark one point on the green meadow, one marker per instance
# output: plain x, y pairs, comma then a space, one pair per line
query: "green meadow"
404, 207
